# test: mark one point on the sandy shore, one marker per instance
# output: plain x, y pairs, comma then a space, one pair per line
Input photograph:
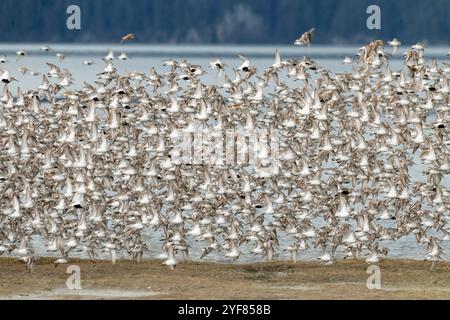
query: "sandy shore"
400, 279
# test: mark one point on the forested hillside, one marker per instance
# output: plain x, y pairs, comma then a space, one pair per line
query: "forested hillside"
224, 21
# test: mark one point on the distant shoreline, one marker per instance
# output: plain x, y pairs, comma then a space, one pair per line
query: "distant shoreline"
203, 51
229, 261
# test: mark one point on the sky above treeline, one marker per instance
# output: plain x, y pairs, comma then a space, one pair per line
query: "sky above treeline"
224, 21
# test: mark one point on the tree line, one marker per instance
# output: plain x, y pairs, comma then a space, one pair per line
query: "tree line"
224, 21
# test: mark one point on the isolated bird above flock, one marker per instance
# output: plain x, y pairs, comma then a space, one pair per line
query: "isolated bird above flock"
95, 170
128, 37
306, 38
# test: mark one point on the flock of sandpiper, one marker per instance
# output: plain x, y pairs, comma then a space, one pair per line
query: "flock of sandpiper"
91, 170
